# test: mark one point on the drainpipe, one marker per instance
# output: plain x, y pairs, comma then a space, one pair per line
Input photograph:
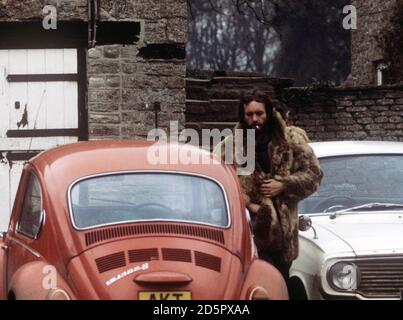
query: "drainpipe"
93, 18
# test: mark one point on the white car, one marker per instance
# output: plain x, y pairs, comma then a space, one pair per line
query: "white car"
351, 229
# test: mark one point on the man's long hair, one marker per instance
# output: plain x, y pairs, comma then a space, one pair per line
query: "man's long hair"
274, 129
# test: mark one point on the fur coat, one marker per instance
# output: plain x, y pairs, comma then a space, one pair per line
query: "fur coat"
293, 163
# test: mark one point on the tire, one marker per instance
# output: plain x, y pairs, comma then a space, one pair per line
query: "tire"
11, 296
296, 289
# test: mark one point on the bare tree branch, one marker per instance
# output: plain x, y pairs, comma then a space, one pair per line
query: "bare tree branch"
214, 7
301, 39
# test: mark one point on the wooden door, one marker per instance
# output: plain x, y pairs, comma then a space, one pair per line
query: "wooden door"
39, 110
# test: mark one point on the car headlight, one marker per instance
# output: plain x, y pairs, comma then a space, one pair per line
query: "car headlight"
344, 276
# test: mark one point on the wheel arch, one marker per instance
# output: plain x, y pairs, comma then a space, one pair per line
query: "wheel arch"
29, 283
263, 275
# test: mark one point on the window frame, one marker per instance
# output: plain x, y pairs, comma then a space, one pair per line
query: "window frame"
42, 211
227, 206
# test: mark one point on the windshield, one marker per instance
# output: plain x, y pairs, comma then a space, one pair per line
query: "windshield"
375, 181
129, 197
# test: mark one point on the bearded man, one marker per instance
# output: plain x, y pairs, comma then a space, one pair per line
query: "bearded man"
286, 171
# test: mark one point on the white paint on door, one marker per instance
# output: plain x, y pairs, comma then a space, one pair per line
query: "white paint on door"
49, 105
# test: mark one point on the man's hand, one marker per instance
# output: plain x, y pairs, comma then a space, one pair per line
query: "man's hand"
271, 188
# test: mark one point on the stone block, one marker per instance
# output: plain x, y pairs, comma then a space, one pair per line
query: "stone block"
345, 121
364, 102
96, 82
104, 118
104, 95
381, 120
129, 52
385, 102
397, 108
344, 134
102, 66
373, 127
95, 53
356, 109
106, 130
395, 119
113, 81
365, 120
335, 128
345, 103
340, 115
360, 135
354, 127
395, 95
325, 135
378, 108
102, 107
112, 52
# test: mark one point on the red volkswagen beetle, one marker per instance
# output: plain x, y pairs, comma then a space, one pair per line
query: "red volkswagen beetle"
99, 220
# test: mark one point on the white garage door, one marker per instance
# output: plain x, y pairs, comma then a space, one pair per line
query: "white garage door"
39, 110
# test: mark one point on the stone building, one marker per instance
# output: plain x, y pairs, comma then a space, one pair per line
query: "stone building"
86, 69
134, 63
366, 107
377, 43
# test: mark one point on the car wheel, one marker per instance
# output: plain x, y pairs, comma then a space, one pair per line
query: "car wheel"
11, 296
296, 289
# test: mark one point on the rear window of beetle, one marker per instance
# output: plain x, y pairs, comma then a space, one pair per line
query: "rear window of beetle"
129, 197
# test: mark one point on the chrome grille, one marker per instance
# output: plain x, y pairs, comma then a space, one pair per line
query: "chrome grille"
381, 278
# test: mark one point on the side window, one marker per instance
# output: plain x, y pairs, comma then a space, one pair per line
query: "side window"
31, 214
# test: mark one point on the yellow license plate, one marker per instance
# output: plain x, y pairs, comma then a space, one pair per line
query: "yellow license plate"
165, 295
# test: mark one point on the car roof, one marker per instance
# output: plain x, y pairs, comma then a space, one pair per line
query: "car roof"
340, 148
73, 161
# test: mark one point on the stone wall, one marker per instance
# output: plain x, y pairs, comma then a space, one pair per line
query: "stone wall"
126, 81
354, 113
123, 89
25, 10
375, 21
360, 113
213, 102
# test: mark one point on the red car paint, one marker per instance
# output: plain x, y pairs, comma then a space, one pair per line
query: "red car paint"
151, 259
